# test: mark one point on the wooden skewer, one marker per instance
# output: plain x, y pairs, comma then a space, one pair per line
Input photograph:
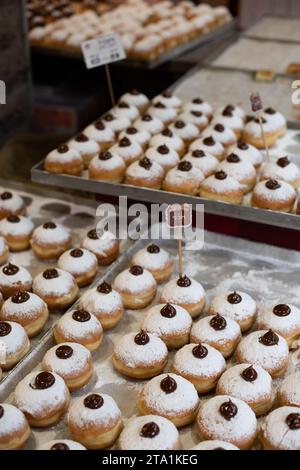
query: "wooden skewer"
110, 87
259, 115
180, 270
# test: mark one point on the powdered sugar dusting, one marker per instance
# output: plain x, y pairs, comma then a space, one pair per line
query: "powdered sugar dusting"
135, 355
173, 293
159, 325
57, 286
73, 365
29, 309
186, 363
125, 281
100, 304
76, 330
12, 420
151, 260
105, 416
202, 331
277, 431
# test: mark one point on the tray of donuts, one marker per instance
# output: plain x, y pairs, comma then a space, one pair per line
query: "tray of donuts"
168, 150
205, 360
49, 253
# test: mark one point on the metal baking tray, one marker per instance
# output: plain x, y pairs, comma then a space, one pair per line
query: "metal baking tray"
267, 273
275, 28
75, 213
172, 54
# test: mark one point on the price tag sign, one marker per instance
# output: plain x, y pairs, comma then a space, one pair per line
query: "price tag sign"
103, 50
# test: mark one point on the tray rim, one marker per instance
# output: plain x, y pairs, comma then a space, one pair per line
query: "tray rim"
248, 35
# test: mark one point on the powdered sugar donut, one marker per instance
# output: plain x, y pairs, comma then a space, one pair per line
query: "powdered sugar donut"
28, 310
14, 429
50, 240
170, 396
4, 252
221, 133
184, 178
101, 133
116, 123
62, 444
107, 166
222, 187
137, 99
87, 148
137, 287
209, 145
145, 173
140, 355
156, 260
197, 104
124, 109
215, 444
11, 204
277, 120
17, 231
163, 113
171, 323
104, 245
185, 292
274, 195
197, 118
204, 161
201, 364
281, 429
233, 109
149, 123
149, 433
228, 118
283, 169
166, 157
64, 160
237, 305
81, 327
56, 287
225, 417
250, 383
72, 361
14, 279
282, 318
43, 397
81, 263
288, 393
241, 170
139, 136
185, 130
105, 303
129, 150
170, 139
252, 133
249, 153
265, 348
219, 332
16, 343
168, 99
95, 421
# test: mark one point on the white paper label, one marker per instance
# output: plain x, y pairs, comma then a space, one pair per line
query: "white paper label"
103, 50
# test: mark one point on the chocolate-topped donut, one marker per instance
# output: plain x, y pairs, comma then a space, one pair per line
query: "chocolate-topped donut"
104, 288
149, 430
93, 401
141, 338
249, 374
168, 384
184, 281
43, 381
20, 297
218, 323
81, 316
64, 352
228, 410
168, 311
50, 274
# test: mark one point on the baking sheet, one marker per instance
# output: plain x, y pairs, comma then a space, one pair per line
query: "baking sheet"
279, 28
78, 216
267, 273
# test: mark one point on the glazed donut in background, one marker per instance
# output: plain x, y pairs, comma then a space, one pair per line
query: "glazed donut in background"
170, 139
281, 429
27, 309
81, 263
249, 153
61, 444
95, 421
136, 286
14, 279
56, 287
215, 445
104, 303
185, 292
205, 162
104, 245
79, 326
197, 104
128, 149
221, 133
16, 343
100, 133
168, 99
237, 305
166, 157
170, 396
200, 364
50, 240
137, 99
250, 383
149, 123
265, 348
241, 170
64, 160
222, 187
228, 418
140, 356
107, 166
145, 173
149, 433
288, 393
156, 260
219, 332
210, 145
274, 195
11, 204
17, 231
185, 178
282, 169
4, 251
284, 319
252, 133
277, 120
71, 361
87, 148
141, 137
14, 429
